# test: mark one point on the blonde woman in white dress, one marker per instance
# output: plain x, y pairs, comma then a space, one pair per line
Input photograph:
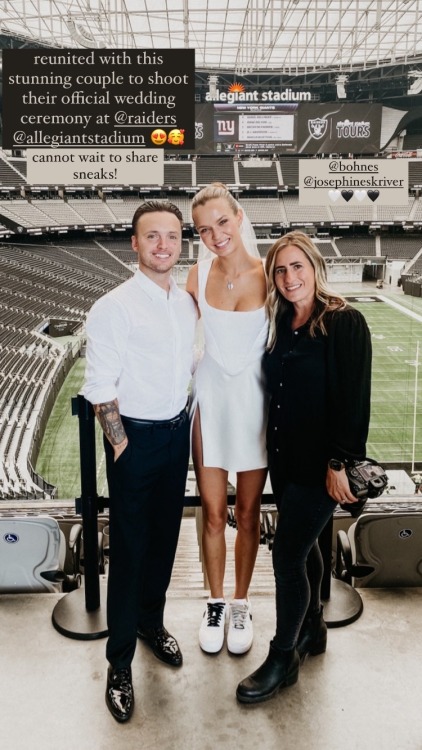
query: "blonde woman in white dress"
229, 406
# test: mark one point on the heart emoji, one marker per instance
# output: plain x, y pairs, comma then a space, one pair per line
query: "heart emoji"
373, 194
360, 194
334, 195
347, 194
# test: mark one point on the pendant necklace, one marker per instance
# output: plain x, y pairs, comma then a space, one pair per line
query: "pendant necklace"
229, 284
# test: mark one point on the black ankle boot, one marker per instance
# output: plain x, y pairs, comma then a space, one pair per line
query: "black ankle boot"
280, 669
313, 635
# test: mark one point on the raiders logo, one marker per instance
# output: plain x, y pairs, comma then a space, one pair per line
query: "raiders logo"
317, 127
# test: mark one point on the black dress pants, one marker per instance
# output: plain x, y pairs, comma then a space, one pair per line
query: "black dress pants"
147, 489
297, 562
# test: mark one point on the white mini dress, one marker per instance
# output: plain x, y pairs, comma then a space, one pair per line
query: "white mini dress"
228, 384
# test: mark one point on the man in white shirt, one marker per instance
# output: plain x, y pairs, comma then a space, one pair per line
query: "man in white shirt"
140, 354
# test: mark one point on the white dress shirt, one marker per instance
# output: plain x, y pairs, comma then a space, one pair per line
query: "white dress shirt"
140, 349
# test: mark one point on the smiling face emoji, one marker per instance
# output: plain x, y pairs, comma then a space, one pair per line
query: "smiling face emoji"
158, 137
176, 137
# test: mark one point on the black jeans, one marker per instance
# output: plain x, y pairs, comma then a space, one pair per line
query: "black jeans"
147, 489
297, 561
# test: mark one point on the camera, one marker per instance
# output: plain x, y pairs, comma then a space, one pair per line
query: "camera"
367, 479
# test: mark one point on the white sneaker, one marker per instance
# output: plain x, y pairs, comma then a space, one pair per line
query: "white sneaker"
240, 633
211, 632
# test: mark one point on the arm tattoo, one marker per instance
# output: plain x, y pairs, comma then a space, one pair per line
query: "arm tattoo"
109, 418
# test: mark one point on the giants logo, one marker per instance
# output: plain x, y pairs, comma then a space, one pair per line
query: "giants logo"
225, 127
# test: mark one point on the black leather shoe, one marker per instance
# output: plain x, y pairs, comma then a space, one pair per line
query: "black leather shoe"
119, 693
280, 669
313, 636
162, 644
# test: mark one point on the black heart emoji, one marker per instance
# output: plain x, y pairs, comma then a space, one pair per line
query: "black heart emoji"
373, 194
347, 194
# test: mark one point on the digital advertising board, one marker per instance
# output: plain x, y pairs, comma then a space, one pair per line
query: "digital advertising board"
287, 128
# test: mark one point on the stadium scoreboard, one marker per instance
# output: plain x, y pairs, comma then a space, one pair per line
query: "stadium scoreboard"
287, 127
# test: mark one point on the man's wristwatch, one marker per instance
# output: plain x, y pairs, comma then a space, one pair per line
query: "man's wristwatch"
336, 465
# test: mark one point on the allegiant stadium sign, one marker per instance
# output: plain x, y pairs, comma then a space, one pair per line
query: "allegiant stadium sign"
231, 97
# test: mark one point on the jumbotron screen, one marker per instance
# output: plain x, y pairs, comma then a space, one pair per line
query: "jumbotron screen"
288, 127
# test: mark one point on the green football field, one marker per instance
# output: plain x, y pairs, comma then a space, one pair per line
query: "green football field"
396, 425
58, 461
396, 403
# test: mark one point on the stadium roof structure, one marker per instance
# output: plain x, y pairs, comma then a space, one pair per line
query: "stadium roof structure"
243, 36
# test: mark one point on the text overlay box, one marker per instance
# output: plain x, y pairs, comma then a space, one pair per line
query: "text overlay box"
342, 182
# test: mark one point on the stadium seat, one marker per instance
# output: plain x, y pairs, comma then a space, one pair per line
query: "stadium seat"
105, 550
32, 555
102, 550
231, 517
381, 550
270, 518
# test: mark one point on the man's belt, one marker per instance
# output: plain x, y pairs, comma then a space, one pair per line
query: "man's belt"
164, 424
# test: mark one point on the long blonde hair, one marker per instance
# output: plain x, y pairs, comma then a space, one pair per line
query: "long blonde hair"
325, 300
